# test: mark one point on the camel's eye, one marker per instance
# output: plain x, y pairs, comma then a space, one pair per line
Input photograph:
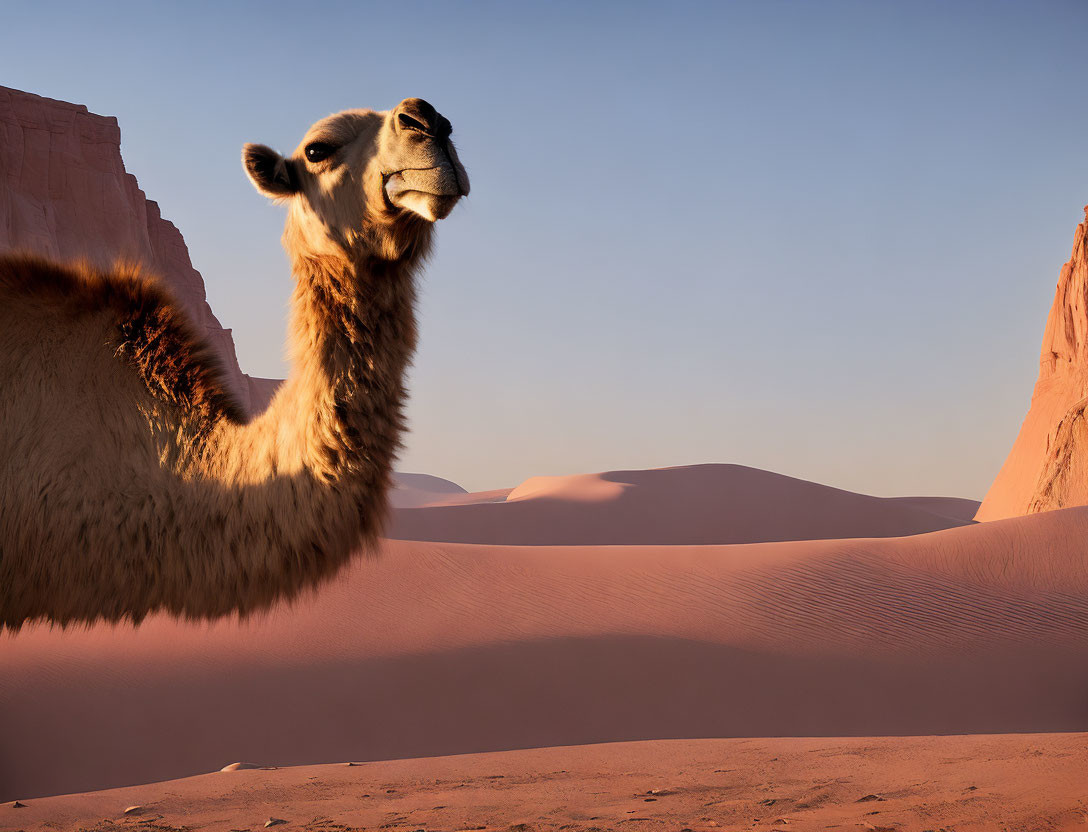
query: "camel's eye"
319, 151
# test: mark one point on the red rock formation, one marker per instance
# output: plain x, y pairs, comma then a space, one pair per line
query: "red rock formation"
64, 192
1047, 468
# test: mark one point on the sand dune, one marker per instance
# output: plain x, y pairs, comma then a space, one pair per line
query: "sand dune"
1017, 782
955, 508
447, 648
695, 504
496, 495
411, 490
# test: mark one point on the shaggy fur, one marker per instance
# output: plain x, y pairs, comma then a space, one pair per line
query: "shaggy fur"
129, 480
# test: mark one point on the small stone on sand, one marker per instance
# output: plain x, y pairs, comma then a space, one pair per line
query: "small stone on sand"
274, 822
18, 805
133, 810
239, 766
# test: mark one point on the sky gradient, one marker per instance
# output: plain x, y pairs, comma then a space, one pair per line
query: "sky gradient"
816, 238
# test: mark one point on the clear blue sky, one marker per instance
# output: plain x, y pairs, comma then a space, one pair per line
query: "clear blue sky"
815, 237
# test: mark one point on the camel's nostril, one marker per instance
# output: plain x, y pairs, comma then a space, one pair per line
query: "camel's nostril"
416, 114
408, 123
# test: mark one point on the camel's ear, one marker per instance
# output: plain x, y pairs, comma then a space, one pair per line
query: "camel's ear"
269, 172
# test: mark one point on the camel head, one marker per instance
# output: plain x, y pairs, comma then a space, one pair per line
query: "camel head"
375, 178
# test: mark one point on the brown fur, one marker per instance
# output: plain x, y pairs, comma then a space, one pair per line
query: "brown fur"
129, 481
154, 334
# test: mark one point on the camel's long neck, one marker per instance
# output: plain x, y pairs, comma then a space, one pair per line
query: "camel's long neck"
328, 440
283, 501
353, 333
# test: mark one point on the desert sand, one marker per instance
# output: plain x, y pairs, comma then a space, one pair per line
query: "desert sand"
690, 505
413, 490
450, 648
1021, 782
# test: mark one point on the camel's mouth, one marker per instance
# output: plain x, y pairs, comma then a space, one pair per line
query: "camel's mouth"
429, 192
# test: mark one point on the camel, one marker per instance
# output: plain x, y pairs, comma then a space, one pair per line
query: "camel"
130, 479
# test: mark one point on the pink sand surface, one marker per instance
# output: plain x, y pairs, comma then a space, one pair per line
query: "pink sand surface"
412, 490
967, 784
444, 648
693, 504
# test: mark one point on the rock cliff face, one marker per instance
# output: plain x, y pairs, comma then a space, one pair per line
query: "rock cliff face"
64, 192
1047, 467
